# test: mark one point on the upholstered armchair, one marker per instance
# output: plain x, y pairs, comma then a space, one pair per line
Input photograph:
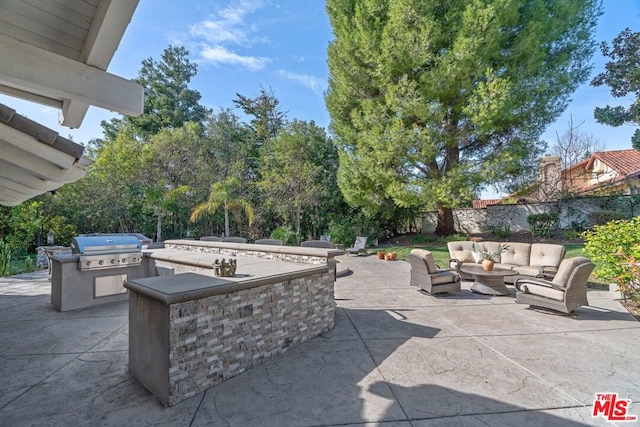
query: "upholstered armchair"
428, 277
564, 293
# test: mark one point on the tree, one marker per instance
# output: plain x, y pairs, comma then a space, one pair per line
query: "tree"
172, 169
428, 99
623, 78
267, 117
222, 195
110, 198
522, 175
574, 145
228, 147
292, 170
168, 102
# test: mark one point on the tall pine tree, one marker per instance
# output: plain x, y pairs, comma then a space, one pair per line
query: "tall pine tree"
430, 100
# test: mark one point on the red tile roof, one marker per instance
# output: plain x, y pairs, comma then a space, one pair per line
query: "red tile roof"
625, 162
481, 204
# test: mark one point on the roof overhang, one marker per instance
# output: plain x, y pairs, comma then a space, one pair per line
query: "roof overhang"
57, 54
35, 159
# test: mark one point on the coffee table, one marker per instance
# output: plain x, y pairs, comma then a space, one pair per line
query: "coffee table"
488, 282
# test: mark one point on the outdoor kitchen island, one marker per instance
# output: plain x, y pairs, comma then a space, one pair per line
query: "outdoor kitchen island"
190, 331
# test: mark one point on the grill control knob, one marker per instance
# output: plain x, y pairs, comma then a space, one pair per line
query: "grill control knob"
88, 263
113, 261
100, 262
124, 260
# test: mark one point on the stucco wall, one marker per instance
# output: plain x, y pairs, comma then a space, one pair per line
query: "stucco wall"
469, 221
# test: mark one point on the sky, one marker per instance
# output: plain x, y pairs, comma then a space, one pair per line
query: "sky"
242, 46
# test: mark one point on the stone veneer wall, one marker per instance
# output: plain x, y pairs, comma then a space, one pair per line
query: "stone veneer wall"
215, 338
278, 256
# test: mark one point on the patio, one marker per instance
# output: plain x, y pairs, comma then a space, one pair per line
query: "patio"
396, 357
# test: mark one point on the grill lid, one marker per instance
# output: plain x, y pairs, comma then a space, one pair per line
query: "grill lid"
107, 244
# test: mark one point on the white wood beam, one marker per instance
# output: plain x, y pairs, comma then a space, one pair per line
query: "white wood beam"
14, 173
109, 24
40, 167
13, 137
31, 69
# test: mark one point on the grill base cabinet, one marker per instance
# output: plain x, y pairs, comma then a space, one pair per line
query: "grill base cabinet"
95, 271
72, 288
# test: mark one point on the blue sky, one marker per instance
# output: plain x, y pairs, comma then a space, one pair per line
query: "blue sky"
244, 45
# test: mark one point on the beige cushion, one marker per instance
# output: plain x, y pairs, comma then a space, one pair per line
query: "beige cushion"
427, 257
525, 270
459, 245
566, 268
516, 254
531, 288
546, 254
444, 276
464, 256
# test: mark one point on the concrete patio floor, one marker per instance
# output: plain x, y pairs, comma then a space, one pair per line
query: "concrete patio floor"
397, 357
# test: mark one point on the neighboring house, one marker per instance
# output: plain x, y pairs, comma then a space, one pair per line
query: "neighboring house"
605, 172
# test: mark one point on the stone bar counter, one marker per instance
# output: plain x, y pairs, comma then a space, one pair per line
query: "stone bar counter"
191, 330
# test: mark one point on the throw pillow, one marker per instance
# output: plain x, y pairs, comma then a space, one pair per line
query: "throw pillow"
477, 258
464, 256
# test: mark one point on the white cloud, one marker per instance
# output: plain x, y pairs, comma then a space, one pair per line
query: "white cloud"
229, 27
316, 84
220, 55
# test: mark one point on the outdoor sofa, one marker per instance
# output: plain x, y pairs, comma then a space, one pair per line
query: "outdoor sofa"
528, 259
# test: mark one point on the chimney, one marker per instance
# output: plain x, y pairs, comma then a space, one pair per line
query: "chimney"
550, 176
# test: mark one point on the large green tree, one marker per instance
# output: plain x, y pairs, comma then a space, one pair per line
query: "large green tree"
168, 101
267, 119
622, 75
172, 171
429, 100
293, 171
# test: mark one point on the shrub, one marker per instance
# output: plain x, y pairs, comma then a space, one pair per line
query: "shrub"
543, 224
286, 234
614, 247
419, 240
5, 259
451, 238
578, 225
501, 231
344, 230
603, 216
571, 233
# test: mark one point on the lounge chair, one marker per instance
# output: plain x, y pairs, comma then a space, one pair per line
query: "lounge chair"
317, 244
426, 275
234, 240
359, 247
566, 292
269, 242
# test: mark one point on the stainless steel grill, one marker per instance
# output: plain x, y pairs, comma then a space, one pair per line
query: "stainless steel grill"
101, 251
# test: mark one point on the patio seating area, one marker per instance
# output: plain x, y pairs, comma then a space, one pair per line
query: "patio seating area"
397, 357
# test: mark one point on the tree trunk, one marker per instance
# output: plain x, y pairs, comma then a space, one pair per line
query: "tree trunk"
445, 225
159, 229
298, 215
226, 220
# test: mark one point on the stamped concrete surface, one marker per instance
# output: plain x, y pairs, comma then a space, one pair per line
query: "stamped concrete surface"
397, 357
